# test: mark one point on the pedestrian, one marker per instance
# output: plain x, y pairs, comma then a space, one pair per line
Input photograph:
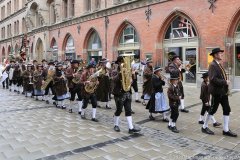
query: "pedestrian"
205, 97
218, 88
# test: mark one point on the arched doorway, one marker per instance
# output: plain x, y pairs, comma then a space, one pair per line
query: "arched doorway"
69, 48
181, 38
39, 50
54, 50
94, 46
128, 42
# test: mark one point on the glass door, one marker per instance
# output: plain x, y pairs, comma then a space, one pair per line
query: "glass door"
190, 63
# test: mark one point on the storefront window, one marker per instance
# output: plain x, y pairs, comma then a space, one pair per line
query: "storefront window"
180, 28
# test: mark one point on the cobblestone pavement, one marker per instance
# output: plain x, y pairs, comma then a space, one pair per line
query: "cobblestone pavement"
31, 129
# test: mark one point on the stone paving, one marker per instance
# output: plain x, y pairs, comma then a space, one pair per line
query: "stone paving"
31, 129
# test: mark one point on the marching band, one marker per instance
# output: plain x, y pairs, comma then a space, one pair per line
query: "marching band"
96, 83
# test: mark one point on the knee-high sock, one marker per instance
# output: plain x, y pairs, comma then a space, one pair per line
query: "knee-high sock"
201, 118
213, 119
80, 103
71, 105
207, 118
182, 103
136, 96
225, 123
83, 112
165, 115
116, 120
94, 110
130, 124
170, 122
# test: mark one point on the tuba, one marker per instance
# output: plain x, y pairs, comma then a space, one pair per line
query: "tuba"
49, 79
126, 71
76, 79
92, 86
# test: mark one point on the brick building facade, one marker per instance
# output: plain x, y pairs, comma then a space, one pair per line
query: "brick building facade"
60, 29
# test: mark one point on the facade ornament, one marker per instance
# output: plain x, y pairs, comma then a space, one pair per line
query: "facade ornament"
212, 5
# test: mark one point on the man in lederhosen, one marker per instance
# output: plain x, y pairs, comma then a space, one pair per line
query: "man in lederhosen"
122, 99
218, 88
175, 67
28, 81
71, 73
48, 76
104, 83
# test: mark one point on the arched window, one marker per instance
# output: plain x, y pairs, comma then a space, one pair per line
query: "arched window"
94, 47
129, 41
70, 48
54, 50
129, 36
180, 28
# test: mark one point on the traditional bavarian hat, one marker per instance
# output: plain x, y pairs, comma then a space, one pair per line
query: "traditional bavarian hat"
90, 66
59, 64
51, 63
119, 60
74, 61
174, 76
205, 75
149, 61
157, 69
29, 65
216, 50
104, 60
174, 57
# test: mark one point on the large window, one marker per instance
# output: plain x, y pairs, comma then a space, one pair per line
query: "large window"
70, 49
129, 36
88, 5
180, 28
65, 8
94, 47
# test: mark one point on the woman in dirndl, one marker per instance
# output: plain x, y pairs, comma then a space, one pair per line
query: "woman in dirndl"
157, 102
38, 78
60, 87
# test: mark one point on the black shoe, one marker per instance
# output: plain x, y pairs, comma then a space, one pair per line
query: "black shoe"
107, 107
58, 106
207, 131
217, 124
18, 92
23, 93
47, 102
98, 106
134, 130
54, 103
184, 110
169, 127
201, 122
151, 118
132, 112
165, 120
175, 130
94, 120
137, 101
116, 128
79, 113
36, 99
229, 133
83, 117
70, 111
63, 107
